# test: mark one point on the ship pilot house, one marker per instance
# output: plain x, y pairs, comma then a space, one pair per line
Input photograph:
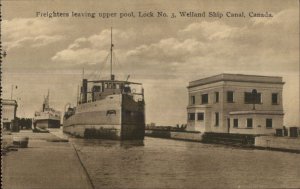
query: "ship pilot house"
102, 88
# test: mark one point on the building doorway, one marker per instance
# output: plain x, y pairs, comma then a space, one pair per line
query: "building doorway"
228, 125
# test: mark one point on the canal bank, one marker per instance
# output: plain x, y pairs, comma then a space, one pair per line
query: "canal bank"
46, 163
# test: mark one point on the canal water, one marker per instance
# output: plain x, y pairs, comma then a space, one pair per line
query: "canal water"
162, 163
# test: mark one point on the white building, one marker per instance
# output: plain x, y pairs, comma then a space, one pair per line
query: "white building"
8, 112
223, 103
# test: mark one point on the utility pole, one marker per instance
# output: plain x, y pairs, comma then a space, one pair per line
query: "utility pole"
82, 73
78, 92
111, 55
11, 94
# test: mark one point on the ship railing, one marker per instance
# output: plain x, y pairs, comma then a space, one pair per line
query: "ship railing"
114, 81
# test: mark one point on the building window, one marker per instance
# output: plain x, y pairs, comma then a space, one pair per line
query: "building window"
269, 123
274, 98
216, 96
250, 100
204, 98
249, 123
200, 116
193, 100
191, 116
109, 112
229, 96
217, 119
235, 123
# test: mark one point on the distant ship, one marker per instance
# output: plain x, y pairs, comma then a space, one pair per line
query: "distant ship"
107, 109
48, 117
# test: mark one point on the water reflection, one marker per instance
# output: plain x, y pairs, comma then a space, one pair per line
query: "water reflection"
131, 144
126, 144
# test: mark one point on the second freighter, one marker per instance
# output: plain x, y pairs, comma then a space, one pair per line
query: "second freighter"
48, 117
108, 109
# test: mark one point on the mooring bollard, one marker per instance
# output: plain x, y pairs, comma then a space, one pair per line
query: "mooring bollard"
21, 142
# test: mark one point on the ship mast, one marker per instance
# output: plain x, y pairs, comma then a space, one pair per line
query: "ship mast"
111, 55
46, 102
47, 99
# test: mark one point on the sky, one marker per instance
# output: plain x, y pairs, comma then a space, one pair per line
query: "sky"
163, 53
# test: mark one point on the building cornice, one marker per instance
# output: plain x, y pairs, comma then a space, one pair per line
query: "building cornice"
9, 102
199, 106
237, 78
260, 112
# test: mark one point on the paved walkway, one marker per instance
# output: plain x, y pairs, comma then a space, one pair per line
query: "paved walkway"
43, 165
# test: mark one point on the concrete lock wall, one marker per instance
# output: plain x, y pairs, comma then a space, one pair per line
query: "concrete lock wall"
277, 142
186, 136
174, 135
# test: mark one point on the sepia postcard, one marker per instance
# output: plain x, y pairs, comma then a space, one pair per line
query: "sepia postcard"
150, 94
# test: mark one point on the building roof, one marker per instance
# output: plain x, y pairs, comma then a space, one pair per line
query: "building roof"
9, 102
237, 78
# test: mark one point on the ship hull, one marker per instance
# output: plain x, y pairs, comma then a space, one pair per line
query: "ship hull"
47, 123
47, 119
116, 117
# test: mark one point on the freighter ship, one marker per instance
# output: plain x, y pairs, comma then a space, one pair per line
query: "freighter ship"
107, 109
48, 117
